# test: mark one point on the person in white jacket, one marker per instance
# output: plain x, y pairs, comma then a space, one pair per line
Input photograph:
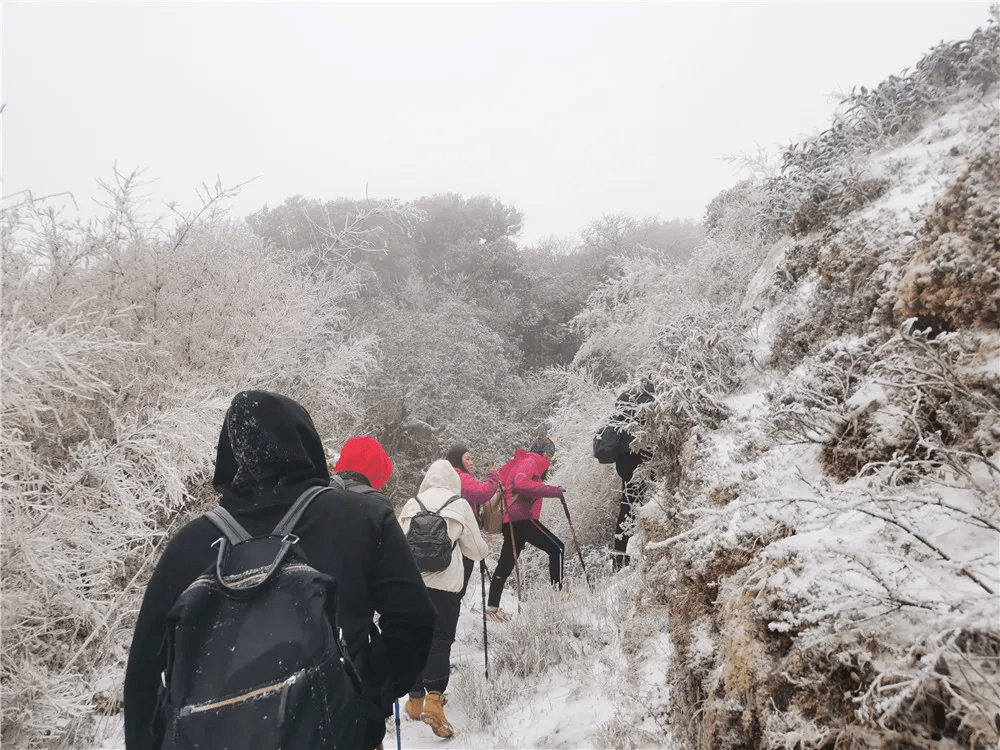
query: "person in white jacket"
441, 483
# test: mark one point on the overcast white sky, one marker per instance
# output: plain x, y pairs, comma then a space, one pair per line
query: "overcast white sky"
568, 110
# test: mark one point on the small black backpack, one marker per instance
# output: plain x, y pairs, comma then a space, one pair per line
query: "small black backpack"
428, 538
255, 658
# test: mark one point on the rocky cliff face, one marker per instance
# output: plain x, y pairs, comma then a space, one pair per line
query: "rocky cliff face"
828, 552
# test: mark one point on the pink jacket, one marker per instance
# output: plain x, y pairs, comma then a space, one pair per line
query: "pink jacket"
477, 492
523, 475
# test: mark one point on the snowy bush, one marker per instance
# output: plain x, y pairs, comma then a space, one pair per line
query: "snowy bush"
593, 490
123, 340
952, 280
826, 177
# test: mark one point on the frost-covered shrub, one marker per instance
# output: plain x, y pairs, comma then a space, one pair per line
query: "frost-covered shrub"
845, 286
944, 398
792, 617
823, 178
952, 280
123, 340
948, 287
593, 490
620, 325
824, 203
829, 400
83, 515
901, 580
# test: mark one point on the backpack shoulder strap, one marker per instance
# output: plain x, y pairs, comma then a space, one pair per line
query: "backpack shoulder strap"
422, 506
449, 501
351, 485
287, 524
228, 525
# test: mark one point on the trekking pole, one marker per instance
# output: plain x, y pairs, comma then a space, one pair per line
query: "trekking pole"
399, 743
513, 547
486, 649
573, 533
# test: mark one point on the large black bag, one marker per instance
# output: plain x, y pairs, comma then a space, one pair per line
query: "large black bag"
428, 538
610, 443
255, 656
613, 440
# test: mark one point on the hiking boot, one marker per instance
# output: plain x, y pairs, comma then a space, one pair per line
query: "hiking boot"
415, 707
496, 614
433, 715
619, 560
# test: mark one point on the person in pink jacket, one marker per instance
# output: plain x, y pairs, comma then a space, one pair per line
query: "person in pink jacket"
474, 491
522, 478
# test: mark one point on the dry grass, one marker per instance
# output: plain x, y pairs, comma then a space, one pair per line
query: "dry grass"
952, 281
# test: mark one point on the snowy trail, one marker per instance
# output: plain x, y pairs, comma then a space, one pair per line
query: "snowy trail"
565, 708
561, 710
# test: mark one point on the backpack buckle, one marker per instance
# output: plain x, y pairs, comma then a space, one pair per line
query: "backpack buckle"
290, 539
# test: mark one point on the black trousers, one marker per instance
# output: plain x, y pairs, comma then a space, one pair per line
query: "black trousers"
526, 532
438, 667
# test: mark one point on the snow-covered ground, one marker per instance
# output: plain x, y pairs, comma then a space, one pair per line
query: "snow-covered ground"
565, 708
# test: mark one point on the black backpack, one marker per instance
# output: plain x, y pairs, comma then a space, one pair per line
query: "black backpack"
428, 538
255, 658
610, 443
613, 440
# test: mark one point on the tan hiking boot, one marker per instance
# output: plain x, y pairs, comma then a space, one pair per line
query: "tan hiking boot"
496, 614
433, 715
415, 707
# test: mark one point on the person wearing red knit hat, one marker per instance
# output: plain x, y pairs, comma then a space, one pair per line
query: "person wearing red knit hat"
363, 461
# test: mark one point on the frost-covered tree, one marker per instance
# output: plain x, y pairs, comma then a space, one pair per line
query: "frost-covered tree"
123, 339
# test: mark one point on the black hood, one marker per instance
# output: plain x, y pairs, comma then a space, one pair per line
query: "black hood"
268, 451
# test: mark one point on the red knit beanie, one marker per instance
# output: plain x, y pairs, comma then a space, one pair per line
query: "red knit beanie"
366, 456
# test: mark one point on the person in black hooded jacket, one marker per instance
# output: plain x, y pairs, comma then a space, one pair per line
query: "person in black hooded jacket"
268, 453
627, 408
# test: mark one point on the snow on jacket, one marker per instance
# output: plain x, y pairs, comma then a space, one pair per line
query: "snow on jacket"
523, 475
441, 483
477, 492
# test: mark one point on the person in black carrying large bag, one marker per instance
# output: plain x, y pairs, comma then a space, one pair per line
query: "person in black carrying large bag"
612, 444
346, 545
